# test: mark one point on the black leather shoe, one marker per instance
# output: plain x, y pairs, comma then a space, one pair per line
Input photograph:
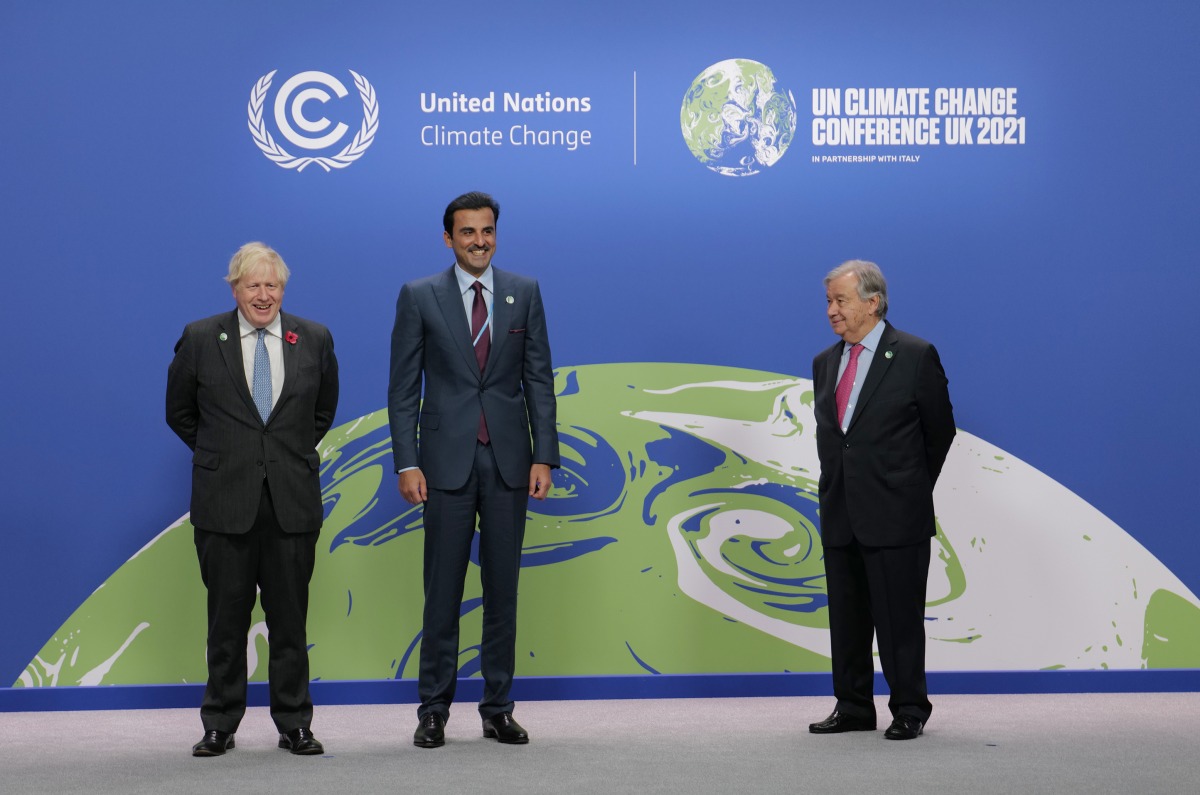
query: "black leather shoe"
430, 731
301, 742
213, 743
505, 729
837, 723
905, 727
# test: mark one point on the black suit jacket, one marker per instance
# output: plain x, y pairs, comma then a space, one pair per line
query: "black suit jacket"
877, 479
431, 339
210, 407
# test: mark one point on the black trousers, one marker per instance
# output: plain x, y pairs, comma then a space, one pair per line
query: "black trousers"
234, 568
450, 518
878, 591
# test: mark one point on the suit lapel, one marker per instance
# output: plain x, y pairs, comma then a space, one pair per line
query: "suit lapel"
450, 301
880, 363
231, 353
501, 312
827, 396
291, 360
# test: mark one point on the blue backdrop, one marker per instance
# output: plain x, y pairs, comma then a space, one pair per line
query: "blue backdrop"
1055, 275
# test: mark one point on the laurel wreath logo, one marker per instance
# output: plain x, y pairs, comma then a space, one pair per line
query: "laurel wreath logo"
278, 155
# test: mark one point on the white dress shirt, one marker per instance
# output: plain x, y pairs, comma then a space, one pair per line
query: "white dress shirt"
274, 342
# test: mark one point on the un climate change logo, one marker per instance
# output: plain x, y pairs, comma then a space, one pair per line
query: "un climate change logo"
735, 120
290, 107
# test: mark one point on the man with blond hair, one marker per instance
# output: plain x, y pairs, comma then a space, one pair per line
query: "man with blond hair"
252, 392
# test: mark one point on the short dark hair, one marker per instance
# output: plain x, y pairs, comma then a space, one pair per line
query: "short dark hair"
469, 201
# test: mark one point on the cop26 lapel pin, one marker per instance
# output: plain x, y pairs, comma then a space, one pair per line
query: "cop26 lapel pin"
887, 355
223, 336
508, 299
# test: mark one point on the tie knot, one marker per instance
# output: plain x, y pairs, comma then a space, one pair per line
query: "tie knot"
262, 332
855, 350
478, 288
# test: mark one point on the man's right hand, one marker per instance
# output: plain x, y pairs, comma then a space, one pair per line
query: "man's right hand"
412, 486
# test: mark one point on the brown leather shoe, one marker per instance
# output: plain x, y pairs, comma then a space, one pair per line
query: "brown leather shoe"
213, 743
505, 729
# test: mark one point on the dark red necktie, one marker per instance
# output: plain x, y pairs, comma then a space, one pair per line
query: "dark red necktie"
845, 386
483, 344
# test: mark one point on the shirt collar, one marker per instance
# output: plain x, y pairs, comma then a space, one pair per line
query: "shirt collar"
465, 280
871, 341
275, 327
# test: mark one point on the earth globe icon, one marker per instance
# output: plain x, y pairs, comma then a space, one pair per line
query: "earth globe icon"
734, 120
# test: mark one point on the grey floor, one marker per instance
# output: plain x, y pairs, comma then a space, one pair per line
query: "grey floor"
1093, 743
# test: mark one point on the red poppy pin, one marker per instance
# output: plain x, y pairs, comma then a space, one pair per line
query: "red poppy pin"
291, 337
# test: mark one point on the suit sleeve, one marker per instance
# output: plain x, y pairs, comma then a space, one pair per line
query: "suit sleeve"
183, 412
404, 379
937, 415
538, 384
327, 396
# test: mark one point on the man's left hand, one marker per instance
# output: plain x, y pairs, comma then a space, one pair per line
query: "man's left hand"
539, 481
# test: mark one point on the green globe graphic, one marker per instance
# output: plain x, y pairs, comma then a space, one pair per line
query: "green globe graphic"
734, 120
681, 537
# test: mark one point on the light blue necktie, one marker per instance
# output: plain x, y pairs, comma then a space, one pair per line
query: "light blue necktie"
262, 376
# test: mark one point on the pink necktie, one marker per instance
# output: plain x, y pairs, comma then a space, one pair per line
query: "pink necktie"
483, 344
845, 386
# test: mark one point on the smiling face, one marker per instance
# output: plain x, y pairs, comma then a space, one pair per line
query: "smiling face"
851, 317
473, 238
259, 294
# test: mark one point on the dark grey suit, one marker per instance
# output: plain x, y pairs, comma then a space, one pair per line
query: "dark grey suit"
256, 502
431, 343
876, 494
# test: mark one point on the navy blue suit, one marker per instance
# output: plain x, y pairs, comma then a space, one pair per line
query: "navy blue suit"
432, 346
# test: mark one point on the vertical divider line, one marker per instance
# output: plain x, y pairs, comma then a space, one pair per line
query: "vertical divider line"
635, 117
